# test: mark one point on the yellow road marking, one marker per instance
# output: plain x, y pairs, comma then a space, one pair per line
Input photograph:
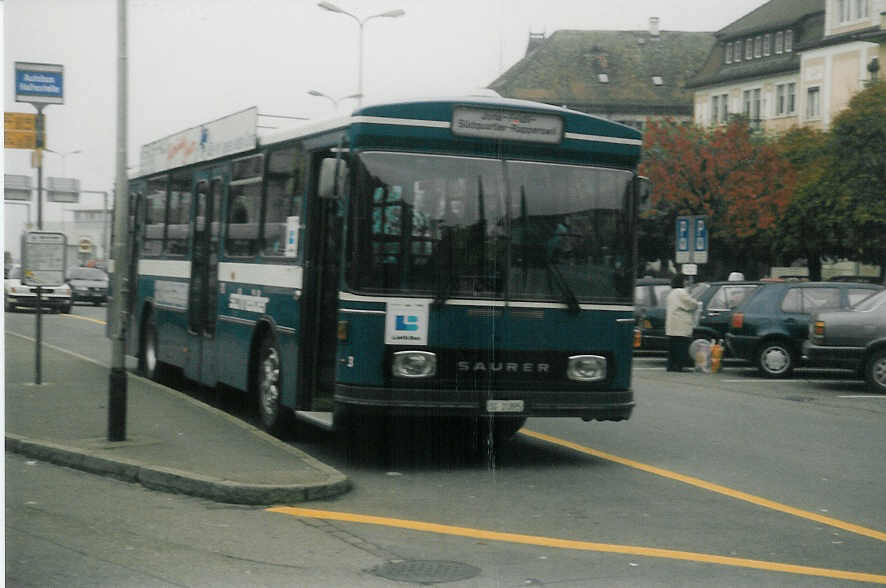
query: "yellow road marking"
579, 545
85, 318
699, 483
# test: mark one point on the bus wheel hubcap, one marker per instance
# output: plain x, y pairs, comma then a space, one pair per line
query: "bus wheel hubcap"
269, 384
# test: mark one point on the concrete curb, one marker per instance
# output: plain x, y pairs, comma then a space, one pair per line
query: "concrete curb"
176, 481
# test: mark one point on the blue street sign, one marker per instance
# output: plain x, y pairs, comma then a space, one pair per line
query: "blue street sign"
39, 83
700, 245
691, 239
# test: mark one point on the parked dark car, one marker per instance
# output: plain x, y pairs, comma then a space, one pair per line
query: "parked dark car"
717, 301
770, 326
852, 339
650, 295
89, 284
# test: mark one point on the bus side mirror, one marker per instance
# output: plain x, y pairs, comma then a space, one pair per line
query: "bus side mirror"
333, 174
643, 188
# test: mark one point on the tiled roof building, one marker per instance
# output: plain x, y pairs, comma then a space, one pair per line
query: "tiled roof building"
626, 76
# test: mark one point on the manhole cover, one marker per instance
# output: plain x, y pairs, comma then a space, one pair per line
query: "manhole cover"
425, 571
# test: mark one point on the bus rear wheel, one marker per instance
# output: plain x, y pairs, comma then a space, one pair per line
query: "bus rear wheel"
275, 417
149, 365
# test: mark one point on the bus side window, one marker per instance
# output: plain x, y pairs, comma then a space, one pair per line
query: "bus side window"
244, 207
155, 217
178, 219
285, 201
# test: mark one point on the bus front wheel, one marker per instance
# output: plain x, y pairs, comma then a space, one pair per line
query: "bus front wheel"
275, 418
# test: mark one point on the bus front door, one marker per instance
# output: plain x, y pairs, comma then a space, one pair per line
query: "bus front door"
201, 365
319, 331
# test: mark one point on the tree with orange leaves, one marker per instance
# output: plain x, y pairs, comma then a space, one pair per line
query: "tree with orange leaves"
738, 180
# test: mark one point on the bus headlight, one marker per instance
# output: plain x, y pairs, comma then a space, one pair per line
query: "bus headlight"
414, 364
586, 368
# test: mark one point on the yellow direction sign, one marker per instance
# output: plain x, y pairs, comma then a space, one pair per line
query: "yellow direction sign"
19, 130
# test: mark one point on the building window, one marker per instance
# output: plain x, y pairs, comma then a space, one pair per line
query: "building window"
788, 41
842, 10
748, 49
728, 52
736, 55
720, 109
752, 106
849, 10
767, 44
758, 47
779, 42
862, 8
813, 103
785, 99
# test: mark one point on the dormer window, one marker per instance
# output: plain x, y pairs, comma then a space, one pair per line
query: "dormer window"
657, 80
728, 52
603, 78
788, 41
779, 42
758, 47
749, 49
737, 54
767, 44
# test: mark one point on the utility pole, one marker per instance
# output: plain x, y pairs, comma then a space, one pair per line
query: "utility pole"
120, 287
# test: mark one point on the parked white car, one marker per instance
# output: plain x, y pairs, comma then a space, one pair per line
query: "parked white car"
56, 298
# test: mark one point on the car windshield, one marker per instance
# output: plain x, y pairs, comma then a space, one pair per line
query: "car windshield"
487, 228
87, 273
871, 302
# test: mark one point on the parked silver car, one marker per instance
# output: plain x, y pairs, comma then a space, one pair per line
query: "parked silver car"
853, 339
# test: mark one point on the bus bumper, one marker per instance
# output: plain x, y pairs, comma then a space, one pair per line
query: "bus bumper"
603, 405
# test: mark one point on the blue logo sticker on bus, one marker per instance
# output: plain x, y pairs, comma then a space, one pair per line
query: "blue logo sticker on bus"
408, 322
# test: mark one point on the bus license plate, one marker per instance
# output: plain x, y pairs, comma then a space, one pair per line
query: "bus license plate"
504, 406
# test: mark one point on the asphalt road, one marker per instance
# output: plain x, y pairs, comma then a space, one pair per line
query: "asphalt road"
718, 480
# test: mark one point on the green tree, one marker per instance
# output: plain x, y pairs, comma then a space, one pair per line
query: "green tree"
858, 146
809, 226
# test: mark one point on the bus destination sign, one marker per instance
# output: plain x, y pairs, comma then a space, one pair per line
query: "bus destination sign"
509, 125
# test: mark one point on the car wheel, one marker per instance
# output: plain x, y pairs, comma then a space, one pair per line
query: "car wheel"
875, 371
67, 309
275, 418
775, 359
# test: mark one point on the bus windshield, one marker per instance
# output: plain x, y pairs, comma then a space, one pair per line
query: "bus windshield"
485, 228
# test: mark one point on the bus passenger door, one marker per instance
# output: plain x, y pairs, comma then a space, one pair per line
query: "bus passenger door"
320, 318
201, 364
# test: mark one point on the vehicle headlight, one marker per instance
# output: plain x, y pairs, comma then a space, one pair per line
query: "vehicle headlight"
414, 364
586, 368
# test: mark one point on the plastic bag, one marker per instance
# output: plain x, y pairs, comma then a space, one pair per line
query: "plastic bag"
700, 352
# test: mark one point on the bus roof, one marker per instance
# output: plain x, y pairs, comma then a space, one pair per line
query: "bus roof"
480, 124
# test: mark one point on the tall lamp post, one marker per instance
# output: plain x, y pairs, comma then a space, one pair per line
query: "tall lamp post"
360, 22
335, 102
64, 156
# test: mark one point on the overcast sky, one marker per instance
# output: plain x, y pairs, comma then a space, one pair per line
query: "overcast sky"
192, 61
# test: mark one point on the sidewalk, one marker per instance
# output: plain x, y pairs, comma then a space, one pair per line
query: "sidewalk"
173, 442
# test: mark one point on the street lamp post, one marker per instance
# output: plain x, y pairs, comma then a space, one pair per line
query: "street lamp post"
360, 22
64, 156
335, 102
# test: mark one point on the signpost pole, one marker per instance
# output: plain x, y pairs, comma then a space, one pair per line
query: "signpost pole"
38, 154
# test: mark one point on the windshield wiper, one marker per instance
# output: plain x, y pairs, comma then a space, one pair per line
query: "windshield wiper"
444, 273
567, 291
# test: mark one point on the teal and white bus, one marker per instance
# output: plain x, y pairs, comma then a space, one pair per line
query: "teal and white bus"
470, 257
